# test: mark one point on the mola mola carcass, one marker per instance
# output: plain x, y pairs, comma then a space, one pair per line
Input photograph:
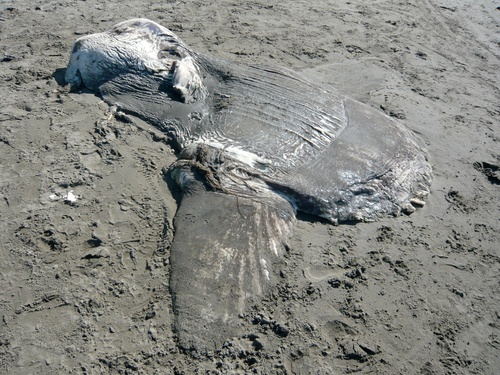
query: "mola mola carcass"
255, 144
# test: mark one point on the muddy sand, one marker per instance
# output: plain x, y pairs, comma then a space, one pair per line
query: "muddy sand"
86, 214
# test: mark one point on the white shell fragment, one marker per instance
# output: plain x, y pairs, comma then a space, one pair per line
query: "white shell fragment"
68, 197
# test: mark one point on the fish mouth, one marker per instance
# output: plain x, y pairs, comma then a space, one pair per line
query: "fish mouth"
74, 79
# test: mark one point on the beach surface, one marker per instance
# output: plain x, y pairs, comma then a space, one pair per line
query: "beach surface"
86, 214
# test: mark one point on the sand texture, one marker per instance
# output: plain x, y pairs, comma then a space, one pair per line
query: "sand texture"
86, 213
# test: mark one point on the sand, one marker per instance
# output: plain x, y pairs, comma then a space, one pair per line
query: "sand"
86, 215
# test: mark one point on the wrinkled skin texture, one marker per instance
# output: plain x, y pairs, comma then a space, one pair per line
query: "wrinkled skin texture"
256, 144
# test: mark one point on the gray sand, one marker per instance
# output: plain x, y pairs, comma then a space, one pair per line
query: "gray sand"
84, 281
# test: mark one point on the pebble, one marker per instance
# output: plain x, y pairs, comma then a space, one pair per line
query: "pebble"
408, 209
387, 259
458, 292
98, 252
335, 283
417, 202
257, 345
281, 330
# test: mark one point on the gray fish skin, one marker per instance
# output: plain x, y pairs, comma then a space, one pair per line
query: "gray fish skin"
256, 144
223, 252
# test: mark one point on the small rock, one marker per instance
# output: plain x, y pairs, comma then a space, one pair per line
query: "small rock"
265, 321
98, 252
348, 284
153, 333
7, 58
368, 349
95, 241
81, 31
257, 345
310, 289
130, 364
252, 336
408, 209
120, 116
281, 330
387, 259
417, 202
335, 283
257, 319
251, 361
